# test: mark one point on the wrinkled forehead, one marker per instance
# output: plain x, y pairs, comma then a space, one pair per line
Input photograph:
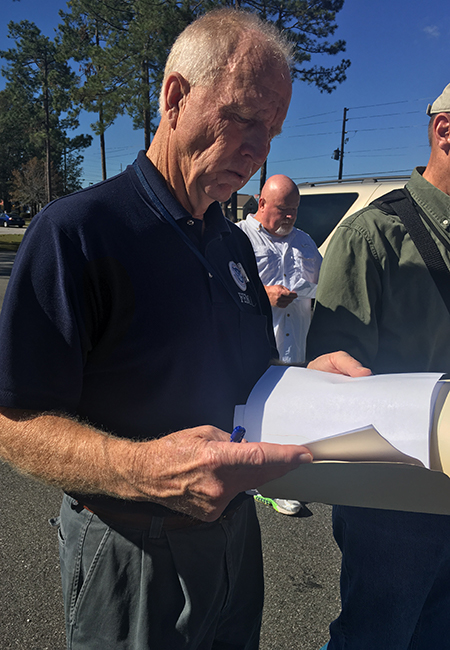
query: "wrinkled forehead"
255, 60
257, 83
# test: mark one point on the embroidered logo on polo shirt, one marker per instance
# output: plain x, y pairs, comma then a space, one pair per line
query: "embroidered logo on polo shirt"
246, 299
239, 275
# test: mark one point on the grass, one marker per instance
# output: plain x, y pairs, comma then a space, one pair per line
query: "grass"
9, 241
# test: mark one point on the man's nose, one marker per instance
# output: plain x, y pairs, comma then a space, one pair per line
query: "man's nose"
257, 145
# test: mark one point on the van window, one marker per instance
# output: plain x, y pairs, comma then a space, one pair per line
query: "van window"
318, 214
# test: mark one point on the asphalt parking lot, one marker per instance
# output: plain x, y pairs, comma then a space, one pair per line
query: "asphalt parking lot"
301, 566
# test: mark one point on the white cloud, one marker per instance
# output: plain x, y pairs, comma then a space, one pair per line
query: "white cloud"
432, 31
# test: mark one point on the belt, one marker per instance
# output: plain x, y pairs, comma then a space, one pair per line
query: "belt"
143, 521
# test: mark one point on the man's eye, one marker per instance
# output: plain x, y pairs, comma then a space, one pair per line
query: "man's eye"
241, 120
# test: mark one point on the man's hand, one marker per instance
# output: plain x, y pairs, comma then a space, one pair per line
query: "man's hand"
195, 471
199, 471
339, 363
279, 295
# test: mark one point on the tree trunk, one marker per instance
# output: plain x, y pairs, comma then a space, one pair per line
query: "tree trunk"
146, 110
102, 144
48, 173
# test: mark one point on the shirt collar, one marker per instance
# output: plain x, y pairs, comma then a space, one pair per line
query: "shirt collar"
254, 223
257, 225
214, 217
433, 201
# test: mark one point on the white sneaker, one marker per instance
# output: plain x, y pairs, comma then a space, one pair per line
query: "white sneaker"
285, 506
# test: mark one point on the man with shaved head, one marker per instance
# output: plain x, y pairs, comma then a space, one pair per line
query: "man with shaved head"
288, 265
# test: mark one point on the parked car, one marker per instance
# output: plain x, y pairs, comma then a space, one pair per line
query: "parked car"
324, 205
13, 219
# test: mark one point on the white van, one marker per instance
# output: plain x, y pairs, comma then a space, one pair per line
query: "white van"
324, 205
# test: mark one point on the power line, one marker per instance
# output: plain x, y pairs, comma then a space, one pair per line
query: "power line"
360, 117
354, 131
353, 108
352, 151
324, 155
365, 117
387, 128
419, 146
308, 117
296, 126
403, 101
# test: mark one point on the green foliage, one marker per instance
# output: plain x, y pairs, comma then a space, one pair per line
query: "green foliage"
121, 47
17, 138
37, 69
40, 110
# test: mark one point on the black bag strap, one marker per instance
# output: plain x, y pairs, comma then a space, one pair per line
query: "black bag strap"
402, 204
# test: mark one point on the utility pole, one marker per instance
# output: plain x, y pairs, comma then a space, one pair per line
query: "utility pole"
262, 176
234, 203
341, 156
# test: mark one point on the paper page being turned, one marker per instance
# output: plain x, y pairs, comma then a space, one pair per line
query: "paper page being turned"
384, 417
363, 445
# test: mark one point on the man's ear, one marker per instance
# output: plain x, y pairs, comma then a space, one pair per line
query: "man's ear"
176, 90
441, 129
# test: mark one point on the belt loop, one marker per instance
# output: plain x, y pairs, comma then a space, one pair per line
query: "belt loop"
156, 527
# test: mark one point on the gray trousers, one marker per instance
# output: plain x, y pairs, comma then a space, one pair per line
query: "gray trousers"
198, 588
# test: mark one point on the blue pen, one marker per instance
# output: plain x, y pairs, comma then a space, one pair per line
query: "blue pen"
237, 434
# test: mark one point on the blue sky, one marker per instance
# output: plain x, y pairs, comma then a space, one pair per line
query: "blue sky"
400, 63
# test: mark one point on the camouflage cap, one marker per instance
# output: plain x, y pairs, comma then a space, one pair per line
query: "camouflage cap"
441, 104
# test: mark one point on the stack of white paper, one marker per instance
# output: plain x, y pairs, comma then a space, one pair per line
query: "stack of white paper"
377, 428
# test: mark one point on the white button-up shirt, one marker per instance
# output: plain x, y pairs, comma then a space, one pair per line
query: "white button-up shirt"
294, 262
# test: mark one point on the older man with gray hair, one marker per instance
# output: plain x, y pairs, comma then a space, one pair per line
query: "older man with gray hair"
134, 322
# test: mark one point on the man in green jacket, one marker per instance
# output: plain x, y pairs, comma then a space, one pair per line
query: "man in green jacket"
377, 301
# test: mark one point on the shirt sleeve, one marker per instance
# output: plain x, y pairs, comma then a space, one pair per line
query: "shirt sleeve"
348, 298
41, 325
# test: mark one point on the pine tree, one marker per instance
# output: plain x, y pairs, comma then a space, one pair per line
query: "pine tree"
83, 35
40, 82
122, 46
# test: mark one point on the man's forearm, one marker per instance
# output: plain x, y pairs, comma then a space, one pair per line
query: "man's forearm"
195, 471
65, 453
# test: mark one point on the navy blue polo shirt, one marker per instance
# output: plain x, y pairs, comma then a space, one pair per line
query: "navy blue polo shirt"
110, 316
